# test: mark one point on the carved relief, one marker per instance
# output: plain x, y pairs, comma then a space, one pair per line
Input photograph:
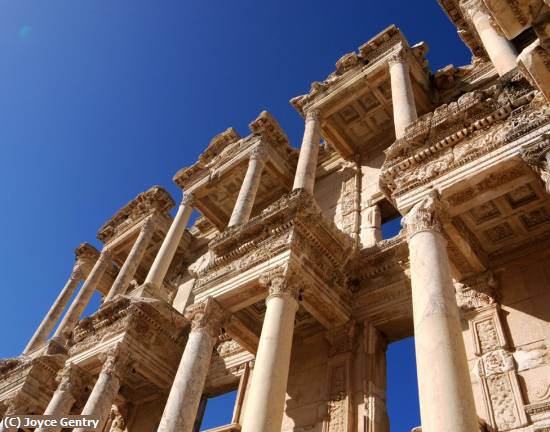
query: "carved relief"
208, 316
424, 216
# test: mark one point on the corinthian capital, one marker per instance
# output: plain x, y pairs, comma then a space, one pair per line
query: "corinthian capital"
71, 379
116, 361
399, 56
280, 282
424, 216
259, 152
188, 199
207, 316
312, 115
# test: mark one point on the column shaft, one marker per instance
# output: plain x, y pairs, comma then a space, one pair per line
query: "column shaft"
52, 317
128, 270
186, 392
247, 194
445, 391
164, 257
83, 297
309, 152
106, 388
499, 49
404, 107
266, 399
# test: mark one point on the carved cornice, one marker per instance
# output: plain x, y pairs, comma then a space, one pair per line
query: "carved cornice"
207, 316
269, 128
86, 253
465, 28
155, 200
456, 133
424, 216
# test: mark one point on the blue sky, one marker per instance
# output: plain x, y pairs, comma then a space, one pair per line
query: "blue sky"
102, 99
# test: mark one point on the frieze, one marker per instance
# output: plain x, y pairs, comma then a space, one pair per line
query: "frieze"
477, 292
456, 133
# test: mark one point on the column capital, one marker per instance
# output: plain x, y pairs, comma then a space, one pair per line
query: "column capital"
426, 215
312, 115
281, 283
259, 152
71, 379
115, 361
149, 225
399, 56
207, 316
187, 199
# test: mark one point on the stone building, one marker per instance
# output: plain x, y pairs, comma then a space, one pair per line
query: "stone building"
283, 288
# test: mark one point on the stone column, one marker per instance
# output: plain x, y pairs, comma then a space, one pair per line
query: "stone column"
128, 270
445, 391
70, 385
52, 317
106, 387
185, 395
537, 156
266, 398
404, 107
371, 226
499, 49
309, 152
83, 297
249, 188
164, 257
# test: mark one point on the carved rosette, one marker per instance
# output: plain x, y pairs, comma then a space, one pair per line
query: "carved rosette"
207, 316
537, 156
281, 282
116, 361
424, 216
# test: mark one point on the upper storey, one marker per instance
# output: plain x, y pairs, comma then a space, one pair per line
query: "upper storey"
216, 178
355, 103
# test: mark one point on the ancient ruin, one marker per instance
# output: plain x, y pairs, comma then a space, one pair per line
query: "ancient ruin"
284, 288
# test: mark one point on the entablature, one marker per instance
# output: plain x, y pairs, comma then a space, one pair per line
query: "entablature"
215, 180
291, 233
355, 103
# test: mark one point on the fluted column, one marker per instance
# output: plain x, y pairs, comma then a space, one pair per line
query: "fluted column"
500, 50
309, 153
106, 387
68, 390
83, 297
247, 194
404, 106
52, 317
445, 391
185, 395
128, 270
266, 398
164, 257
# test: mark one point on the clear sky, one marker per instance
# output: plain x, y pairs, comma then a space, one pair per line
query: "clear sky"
99, 100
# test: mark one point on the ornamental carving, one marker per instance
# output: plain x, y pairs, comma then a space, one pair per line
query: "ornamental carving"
116, 361
281, 282
71, 379
207, 316
537, 156
424, 216
476, 293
